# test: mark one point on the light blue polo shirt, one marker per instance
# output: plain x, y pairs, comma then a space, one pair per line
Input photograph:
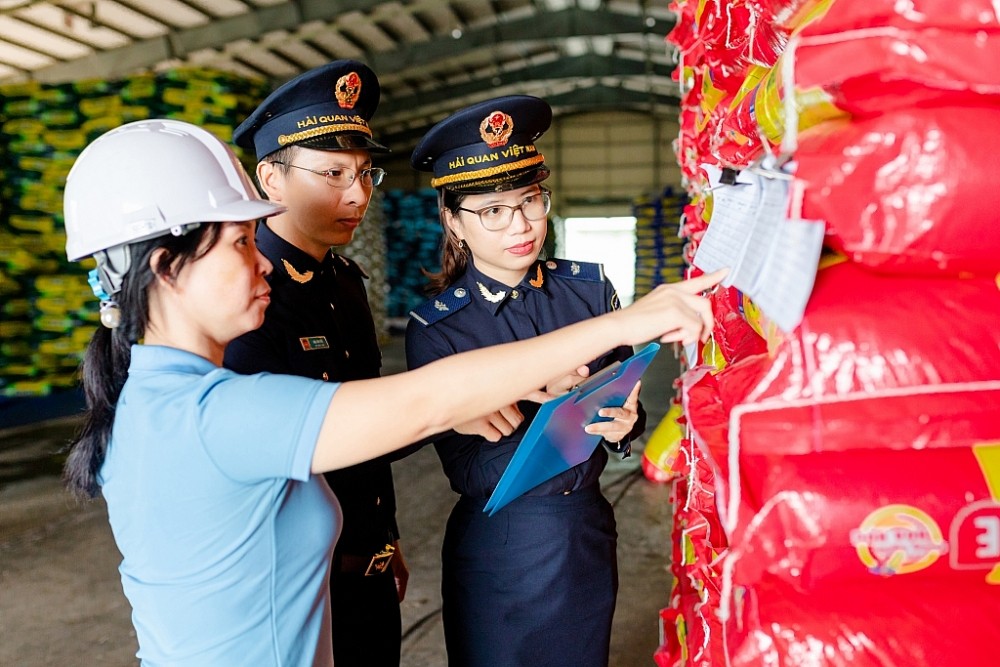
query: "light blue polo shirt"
225, 535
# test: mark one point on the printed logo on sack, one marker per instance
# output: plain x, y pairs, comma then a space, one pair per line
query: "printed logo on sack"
898, 539
975, 539
975, 530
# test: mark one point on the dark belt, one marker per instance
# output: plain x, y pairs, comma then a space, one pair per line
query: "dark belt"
554, 502
369, 566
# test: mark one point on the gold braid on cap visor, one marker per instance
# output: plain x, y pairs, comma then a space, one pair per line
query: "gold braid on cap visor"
485, 173
285, 139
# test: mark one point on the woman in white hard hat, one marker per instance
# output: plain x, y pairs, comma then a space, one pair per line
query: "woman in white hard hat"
210, 476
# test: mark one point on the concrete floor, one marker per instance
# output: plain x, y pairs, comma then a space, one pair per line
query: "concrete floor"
60, 595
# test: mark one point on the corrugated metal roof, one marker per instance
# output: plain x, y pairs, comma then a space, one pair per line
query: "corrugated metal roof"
431, 56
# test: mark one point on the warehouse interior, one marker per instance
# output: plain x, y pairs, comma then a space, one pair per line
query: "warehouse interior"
432, 57
71, 70
818, 480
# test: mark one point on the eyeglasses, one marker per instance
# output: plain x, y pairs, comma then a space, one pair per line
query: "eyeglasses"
498, 217
343, 177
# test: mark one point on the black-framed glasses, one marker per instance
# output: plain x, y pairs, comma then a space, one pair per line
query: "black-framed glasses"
343, 177
498, 217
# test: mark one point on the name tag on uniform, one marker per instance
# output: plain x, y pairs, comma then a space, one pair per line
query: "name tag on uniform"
310, 343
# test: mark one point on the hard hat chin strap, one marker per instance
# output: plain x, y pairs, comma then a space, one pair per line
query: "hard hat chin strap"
112, 265
106, 281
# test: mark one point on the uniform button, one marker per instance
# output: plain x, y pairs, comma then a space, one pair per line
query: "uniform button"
378, 500
347, 354
332, 307
460, 292
513, 294
567, 492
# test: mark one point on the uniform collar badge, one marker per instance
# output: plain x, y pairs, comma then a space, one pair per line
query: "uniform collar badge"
347, 90
492, 297
539, 278
496, 129
301, 278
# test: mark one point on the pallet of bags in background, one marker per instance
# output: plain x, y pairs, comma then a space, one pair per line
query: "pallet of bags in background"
44, 128
659, 249
413, 245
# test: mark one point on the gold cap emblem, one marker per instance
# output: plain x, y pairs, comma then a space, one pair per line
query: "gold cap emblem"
496, 129
347, 90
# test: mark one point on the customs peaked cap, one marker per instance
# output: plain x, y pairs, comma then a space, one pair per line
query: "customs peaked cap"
487, 147
327, 108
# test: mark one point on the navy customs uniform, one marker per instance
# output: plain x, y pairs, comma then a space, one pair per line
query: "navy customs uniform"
319, 325
536, 583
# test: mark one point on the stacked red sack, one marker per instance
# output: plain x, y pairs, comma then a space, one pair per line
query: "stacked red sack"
842, 505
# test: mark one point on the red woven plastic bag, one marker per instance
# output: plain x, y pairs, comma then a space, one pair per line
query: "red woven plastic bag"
907, 192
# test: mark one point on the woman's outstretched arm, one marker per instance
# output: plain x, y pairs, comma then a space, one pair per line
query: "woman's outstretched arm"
368, 418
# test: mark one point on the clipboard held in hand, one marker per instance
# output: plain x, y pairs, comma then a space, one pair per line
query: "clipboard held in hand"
555, 440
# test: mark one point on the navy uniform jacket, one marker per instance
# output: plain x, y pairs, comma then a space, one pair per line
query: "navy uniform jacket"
476, 311
319, 325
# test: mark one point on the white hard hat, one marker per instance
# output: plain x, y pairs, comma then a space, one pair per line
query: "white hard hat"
150, 178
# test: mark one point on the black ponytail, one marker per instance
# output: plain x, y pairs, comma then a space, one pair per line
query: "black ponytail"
103, 373
106, 361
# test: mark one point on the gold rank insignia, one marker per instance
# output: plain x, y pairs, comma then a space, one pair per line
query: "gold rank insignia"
301, 278
539, 279
490, 296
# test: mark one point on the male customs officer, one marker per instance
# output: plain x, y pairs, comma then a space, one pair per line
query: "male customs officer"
313, 146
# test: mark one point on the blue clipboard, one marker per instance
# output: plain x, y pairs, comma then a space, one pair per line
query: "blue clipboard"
555, 441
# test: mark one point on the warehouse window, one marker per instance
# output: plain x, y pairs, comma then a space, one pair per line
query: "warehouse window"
608, 241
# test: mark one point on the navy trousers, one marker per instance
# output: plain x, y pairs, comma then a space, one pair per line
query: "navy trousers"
367, 627
534, 585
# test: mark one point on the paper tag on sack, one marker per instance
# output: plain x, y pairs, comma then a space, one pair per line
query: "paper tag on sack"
771, 258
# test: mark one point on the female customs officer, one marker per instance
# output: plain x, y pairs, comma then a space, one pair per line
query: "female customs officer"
535, 583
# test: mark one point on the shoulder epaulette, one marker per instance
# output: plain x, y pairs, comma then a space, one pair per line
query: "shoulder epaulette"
350, 263
566, 268
444, 304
